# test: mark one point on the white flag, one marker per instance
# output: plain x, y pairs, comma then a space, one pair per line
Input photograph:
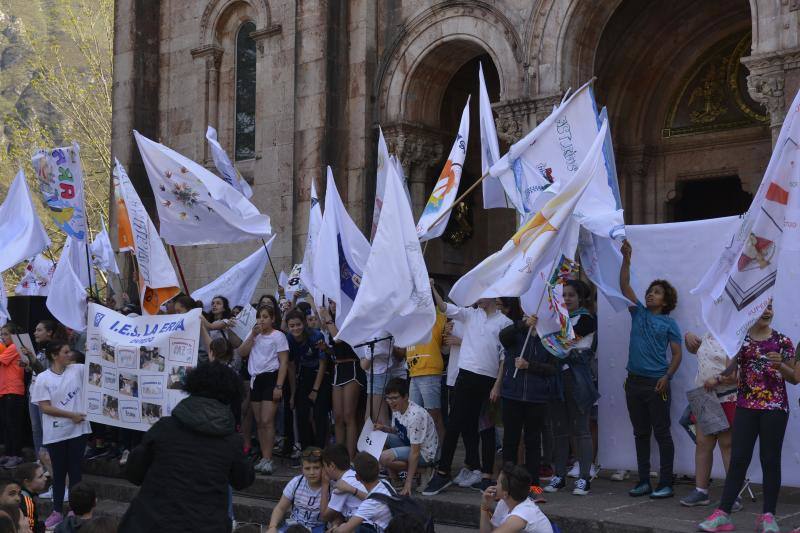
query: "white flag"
384, 163
493, 193
340, 254
67, 297
224, 165
4, 316
398, 167
194, 205
239, 283
446, 188
395, 294
601, 260
21, 232
157, 280
512, 270
60, 176
37, 278
314, 224
102, 251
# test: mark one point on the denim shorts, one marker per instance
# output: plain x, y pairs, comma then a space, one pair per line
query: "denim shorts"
378, 381
402, 451
426, 391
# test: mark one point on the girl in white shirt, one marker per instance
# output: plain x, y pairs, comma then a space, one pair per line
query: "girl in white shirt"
507, 508
59, 393
267, 353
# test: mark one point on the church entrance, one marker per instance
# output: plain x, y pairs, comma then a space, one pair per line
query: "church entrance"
709, 198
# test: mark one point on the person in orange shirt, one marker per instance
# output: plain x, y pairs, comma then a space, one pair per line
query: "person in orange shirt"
12, 399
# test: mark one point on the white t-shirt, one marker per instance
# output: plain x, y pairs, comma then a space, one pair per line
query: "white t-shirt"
343, 503
305, 502
65, 391
711, 362
535, 519
382, 358
480, 345
452, 362
417, 427
373, 512
264, 354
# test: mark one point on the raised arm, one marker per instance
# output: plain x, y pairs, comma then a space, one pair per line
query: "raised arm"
625, 272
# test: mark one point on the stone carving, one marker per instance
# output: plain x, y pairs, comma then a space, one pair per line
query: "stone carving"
414, 145
515, 118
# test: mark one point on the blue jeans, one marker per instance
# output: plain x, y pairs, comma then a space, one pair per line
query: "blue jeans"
402, 449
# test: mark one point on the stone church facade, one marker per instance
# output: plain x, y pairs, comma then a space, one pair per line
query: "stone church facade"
695, 93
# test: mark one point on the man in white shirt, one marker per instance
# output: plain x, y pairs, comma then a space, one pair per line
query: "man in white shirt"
370, 512
478, 364
348, 492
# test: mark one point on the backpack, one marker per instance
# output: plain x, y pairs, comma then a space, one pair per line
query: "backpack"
404, 505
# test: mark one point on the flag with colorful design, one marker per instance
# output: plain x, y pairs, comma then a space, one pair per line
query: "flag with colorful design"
37, 277
565, 270
60, 176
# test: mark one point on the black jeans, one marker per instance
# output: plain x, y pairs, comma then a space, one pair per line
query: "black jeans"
768, 427
470, 391
531, 417
67, 457
316, 433
649, 413
12, 409
568, 420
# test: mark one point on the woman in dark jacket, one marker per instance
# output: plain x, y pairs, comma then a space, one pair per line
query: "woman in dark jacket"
527, 384
186, 461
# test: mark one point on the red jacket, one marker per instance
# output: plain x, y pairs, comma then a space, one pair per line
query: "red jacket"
12, 376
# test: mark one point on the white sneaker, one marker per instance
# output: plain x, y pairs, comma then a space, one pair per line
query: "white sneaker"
124, 459
575, 470
471, 478
459, 479
594, 470
259, 465
266, 469
620, 475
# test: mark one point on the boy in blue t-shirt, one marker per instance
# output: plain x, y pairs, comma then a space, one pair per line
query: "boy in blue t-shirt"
647, 390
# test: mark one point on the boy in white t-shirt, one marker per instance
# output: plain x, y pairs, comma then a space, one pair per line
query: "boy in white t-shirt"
507, 507
303, 497
370, 512
347, 492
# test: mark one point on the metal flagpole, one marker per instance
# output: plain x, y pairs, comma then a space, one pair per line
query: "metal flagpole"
270, 261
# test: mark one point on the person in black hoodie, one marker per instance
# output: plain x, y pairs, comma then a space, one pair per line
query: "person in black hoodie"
186, 461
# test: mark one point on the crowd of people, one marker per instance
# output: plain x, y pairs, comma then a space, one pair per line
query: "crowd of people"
290, 388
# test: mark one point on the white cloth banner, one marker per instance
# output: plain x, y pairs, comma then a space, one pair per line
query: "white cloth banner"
37, 278
384, 163
103, 252
136, 365
21, 232
680, 253
493, 193
314, 224
67, 296
225, 166
60, 175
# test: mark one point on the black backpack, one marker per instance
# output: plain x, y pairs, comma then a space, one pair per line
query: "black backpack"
404, 505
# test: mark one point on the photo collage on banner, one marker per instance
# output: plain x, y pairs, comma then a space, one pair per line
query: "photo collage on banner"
136, 365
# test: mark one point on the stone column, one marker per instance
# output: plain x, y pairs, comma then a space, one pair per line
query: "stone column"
770, 74
209, 58
418, 149
515, 118
634, 175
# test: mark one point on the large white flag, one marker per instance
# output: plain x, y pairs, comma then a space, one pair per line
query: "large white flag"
102, 251
493, 193
37, 278
67, 297
395, 294
239, 283
512, 270
741, 282
340, 254
194, 205
314, 224
446, 188
21, 232
224, 165
384, 163
157, 280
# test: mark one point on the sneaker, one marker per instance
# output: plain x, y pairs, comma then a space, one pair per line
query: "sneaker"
483, 484
470, 479
537, 494
47, 495
662, 492
259, 465
438, 483
266, 467
123, 460
766, 523
13, 462
459, 479
582, 487
96, 453
575, 471
620, 475
737, 505
556, 483
53, 520
695, 498
642, 489
594, 470
718, 521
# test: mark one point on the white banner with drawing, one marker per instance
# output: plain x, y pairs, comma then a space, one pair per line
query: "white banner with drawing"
136, 365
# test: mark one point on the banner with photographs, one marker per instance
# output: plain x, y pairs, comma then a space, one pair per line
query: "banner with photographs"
136, 365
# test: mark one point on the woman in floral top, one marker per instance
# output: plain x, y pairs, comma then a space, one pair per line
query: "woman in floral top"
766, 362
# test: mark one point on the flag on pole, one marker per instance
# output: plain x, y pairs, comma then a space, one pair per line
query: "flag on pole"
124, 230
224, 165
37, 278
537, 244
157, 280
102, 251
314, 224
21, 232
395, 294
67, 297
493, 193
194, 205
239, 283
340, 254
446, 188
4, 315
60, 176
384, 163
398, 167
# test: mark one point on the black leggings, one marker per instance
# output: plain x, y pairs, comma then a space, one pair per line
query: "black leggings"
530, 416
67, 457
312, 433
768, 427
12, 410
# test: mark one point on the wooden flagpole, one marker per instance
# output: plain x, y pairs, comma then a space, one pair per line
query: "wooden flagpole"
463, 195
266, 249
180, 269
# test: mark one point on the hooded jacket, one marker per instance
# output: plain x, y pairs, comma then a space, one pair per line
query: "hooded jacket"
535, 384
184, 466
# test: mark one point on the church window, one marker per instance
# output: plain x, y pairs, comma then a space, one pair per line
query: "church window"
245, 92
